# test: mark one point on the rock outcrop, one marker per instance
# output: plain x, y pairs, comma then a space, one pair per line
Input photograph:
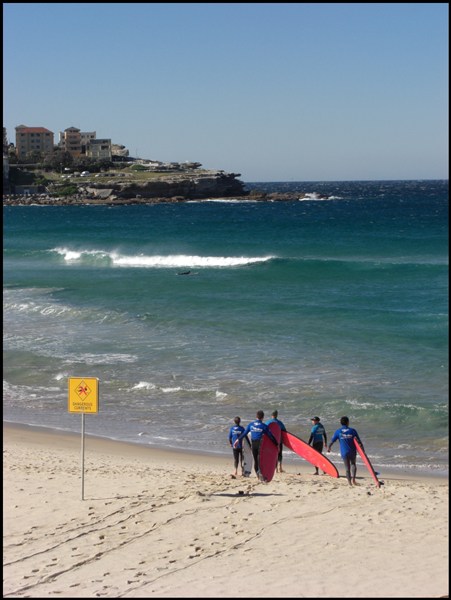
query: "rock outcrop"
201, 186
171, 187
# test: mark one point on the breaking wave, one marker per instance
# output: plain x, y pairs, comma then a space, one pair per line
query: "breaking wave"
102, 257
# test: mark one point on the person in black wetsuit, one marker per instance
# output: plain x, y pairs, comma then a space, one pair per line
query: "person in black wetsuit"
274, 419
316, 438
234, 432
257, 429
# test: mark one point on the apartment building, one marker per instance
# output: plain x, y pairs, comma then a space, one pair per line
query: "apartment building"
86, 137
70, 141
77, 143
33, 139
84, 143
99, 149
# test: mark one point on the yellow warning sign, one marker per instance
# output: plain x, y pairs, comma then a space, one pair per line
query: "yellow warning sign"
83, 395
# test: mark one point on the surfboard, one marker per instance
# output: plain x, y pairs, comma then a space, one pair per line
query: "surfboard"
305, 451
367, 462
269, 453
248, 459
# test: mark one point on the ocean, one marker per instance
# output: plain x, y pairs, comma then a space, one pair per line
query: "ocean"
192, 313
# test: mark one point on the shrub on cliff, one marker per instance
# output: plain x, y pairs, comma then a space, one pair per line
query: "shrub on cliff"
67, 189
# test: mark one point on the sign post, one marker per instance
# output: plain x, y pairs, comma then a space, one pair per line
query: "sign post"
83, 398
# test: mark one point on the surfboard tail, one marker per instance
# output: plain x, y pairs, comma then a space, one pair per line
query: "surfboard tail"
367, 462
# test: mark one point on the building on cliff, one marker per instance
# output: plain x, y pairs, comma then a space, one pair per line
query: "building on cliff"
33, 139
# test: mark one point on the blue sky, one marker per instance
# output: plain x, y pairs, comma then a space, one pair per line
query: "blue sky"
275, 92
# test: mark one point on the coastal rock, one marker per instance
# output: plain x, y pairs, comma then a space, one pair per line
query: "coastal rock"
205, 185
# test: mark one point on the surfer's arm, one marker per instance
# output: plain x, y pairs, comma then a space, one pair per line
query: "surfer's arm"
310, 439
273, 439
267, 431
240, 437
333, 440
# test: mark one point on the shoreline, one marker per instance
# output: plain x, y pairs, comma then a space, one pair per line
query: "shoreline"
295, 463
45, 200
157, 523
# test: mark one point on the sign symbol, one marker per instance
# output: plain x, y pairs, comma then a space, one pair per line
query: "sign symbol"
83, 390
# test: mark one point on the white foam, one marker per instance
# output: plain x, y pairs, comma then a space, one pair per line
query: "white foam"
154, 261
146, 385
185, 261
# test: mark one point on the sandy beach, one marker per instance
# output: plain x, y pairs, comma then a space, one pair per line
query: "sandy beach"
162, 524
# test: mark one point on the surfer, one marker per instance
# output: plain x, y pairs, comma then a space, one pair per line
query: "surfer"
274, 419
348, 450
257, 429
234, 432
316, 438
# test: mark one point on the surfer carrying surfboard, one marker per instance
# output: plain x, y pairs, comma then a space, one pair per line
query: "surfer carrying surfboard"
348, 449
274, 419
257, 429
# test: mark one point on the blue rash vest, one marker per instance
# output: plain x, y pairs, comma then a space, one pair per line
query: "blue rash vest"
346, 436
257, 428
317, 433
279, 423
234, 433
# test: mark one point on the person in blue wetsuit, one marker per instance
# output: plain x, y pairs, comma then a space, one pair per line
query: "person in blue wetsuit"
234, 432
316, 438
274, 419
348, 450
257, 429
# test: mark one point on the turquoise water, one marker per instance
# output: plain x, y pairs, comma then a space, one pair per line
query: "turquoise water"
332, 305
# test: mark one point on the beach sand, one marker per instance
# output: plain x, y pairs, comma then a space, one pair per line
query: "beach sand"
170, 524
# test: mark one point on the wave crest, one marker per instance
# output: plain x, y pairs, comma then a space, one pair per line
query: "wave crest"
156, 261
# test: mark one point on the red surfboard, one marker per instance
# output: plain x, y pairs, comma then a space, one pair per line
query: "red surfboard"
367, 462
314, 457
269, 452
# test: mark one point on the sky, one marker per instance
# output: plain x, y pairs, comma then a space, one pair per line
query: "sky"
272, 92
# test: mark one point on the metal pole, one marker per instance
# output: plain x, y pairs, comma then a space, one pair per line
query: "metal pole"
82, 456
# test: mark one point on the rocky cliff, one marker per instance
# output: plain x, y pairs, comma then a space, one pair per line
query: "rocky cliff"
215, 184
120, 189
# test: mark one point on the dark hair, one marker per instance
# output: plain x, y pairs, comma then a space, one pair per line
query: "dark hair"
274, 414
344, 421
237, 420
260, 414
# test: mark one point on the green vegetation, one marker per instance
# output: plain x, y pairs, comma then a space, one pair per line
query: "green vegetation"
66, 189
19, 176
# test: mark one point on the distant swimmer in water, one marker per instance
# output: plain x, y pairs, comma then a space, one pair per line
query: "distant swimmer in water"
184, 273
